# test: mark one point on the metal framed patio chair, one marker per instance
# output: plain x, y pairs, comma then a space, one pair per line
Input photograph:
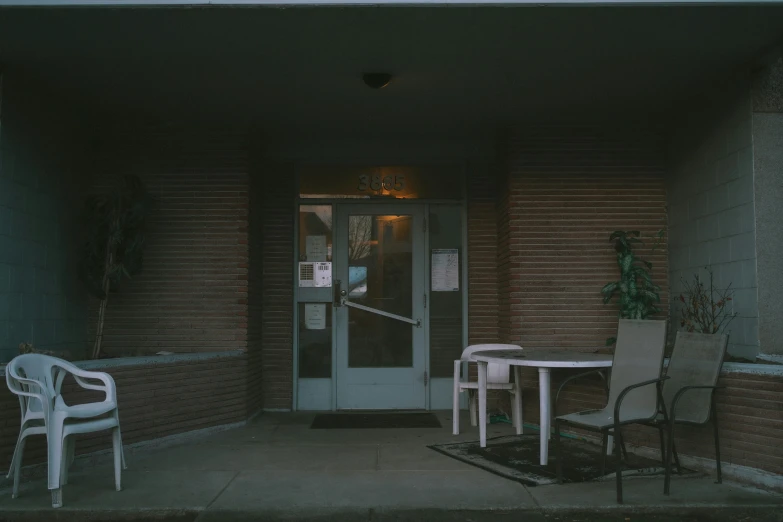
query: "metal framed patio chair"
689, 391
635, 392
498, 378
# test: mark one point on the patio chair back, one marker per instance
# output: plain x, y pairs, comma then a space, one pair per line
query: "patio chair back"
496, 373
638, 357
696, 361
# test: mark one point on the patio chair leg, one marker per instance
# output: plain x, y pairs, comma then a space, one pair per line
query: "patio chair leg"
558, 456
57, 498
676, 457
117, 450
16, 452
622, 446
717, 439
618, 443
604, 447
17, 466
663, 444
668, 468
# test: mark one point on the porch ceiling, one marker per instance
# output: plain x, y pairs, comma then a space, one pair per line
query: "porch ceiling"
466, 70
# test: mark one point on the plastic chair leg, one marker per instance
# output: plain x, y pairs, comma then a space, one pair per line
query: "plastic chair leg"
117, 450
17, 465
55, 452
57, 498
473, 403
16, 451
455, 411
69, 445
518, 400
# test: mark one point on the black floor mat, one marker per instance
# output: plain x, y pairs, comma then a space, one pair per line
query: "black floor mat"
517, 458
360, 421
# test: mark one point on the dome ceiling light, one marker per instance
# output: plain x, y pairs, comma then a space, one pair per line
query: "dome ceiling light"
376, 80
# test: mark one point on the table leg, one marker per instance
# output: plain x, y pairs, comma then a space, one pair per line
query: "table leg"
482, 403
546, 417
518, 400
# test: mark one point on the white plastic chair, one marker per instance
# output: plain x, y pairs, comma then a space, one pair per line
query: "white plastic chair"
497, 379
37, 380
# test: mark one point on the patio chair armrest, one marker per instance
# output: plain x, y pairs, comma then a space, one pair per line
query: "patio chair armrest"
682, 391
627, 389
578, 376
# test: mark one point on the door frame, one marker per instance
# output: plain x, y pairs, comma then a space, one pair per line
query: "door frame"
414, 208
461, 168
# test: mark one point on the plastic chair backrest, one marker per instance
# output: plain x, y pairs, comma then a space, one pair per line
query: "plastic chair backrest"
696, 361
43, 370
496, 373
638, 357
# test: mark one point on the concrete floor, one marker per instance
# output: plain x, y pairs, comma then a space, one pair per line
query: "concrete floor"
276, 467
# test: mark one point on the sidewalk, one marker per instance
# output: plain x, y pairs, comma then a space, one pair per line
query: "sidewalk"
278, 468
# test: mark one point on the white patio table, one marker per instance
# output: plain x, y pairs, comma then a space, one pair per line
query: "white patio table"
543, 359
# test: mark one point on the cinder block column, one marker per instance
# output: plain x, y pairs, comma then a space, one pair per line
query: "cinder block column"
768, 192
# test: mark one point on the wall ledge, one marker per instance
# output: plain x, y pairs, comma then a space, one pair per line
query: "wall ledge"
151, 360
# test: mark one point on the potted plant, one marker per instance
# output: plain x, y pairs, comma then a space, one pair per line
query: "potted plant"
637, 294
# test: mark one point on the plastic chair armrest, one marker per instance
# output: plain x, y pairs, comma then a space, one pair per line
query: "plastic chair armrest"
109, 388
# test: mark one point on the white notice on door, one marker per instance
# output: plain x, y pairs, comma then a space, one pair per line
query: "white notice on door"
315, 248
445, 270
315, 316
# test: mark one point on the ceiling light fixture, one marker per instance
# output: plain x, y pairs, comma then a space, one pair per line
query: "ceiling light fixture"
376, 80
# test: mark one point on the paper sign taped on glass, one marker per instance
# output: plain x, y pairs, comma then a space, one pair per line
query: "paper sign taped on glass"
315, 316
445, 270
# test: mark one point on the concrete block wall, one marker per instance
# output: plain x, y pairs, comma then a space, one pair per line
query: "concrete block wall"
768, 190
43, 159
711, 205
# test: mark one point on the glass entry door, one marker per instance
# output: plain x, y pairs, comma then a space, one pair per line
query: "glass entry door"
379, 306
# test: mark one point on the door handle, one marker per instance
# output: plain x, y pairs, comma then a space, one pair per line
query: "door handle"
337, 293
350, 304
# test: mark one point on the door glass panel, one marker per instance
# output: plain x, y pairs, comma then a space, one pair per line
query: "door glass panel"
380, 256
315, 340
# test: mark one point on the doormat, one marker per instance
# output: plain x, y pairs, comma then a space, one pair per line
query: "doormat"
516, 457
363, 421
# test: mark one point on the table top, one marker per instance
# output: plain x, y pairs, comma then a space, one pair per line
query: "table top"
545, 358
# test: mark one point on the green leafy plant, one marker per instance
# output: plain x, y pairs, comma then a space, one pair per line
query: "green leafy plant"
637, 293
115, 242
704, 307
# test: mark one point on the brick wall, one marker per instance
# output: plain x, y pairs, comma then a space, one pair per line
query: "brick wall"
155, 400
568, 189
193, 293
278, 285
42, 159
255, 295
482, 257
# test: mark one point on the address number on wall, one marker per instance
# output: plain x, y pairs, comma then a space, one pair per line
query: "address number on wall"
377, 182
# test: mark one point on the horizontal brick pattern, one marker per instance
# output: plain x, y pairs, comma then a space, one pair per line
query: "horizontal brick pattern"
255, 301
482, 258
192, 294
568, 190
155, 401
278, 286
